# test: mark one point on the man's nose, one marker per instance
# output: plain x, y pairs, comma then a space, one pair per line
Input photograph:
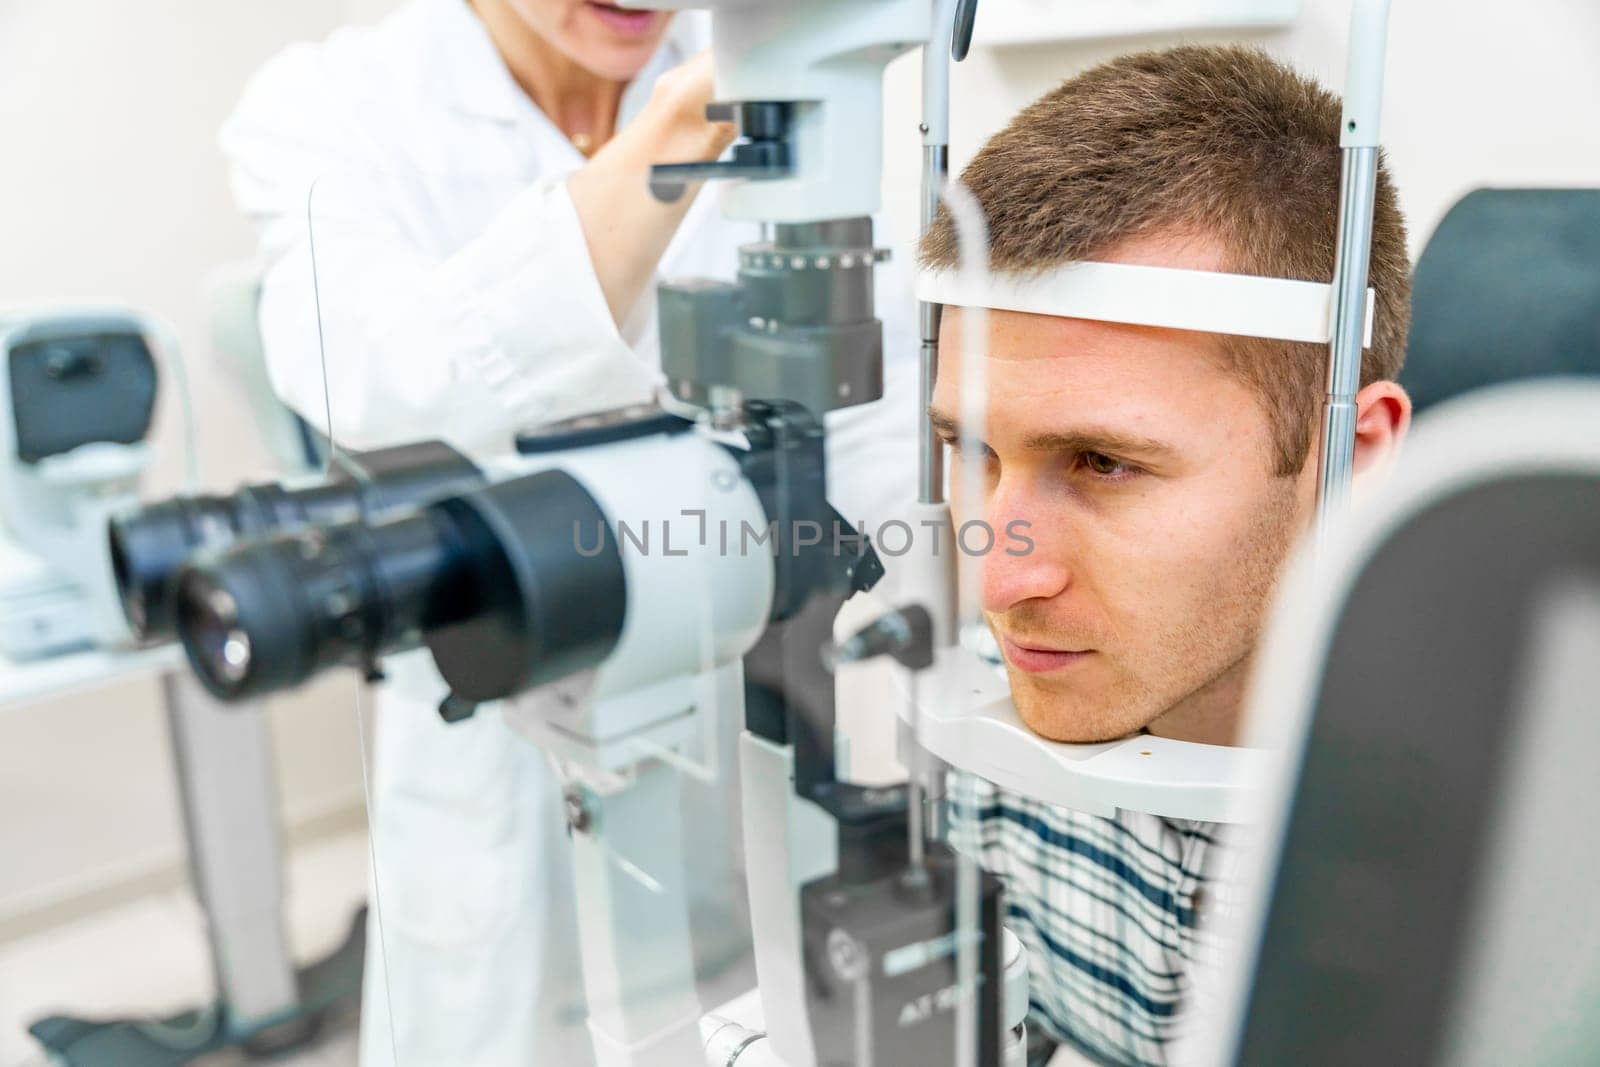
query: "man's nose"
1026, 561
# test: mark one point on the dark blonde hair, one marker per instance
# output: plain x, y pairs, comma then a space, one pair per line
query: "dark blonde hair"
1218, 141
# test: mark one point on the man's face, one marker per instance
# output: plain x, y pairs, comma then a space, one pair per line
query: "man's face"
1143, 469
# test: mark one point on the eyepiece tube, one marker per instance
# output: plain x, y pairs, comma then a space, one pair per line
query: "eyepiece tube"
492, 580
269, 615
149, 546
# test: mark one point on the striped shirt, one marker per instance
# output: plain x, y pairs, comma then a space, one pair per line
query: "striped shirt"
1108, 909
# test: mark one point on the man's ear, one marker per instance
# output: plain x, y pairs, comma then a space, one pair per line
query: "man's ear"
1383, 415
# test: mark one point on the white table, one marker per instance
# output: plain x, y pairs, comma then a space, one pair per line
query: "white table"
35, 681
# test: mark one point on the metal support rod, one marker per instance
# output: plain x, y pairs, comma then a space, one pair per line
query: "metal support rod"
915, 794
1358, 135
1357, 190
930, 451
230, 817
935, 171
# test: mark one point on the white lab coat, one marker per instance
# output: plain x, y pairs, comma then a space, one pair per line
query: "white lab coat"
451, 295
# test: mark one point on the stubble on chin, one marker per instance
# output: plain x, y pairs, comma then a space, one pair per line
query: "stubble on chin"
1058, 713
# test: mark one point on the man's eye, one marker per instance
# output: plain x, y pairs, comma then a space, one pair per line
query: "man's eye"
967, 449
1104, 465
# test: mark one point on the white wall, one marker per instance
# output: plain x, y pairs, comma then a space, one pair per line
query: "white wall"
1477, 93
111, 188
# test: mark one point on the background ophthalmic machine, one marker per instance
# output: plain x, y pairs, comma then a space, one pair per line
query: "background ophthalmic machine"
874, 942
79, 388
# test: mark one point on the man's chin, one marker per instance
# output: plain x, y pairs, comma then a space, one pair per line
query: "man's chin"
1068, 719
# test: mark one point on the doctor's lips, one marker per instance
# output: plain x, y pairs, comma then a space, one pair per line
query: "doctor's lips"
629, 22
1037, 658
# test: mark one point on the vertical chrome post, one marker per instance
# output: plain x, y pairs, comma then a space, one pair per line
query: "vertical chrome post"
1358, 188
935, 171
927, 775
1358, 136
930, 451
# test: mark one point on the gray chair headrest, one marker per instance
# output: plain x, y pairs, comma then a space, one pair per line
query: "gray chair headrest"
1507, 288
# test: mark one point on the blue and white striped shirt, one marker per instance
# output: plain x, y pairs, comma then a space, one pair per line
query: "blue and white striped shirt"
1108, 909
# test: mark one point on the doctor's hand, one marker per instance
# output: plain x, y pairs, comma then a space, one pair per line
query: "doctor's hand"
626, 228
678, 106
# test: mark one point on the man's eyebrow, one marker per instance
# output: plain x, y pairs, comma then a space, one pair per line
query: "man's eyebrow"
1114, 442
1091, 439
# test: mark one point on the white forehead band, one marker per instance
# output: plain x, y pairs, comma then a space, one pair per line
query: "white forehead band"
1209, 301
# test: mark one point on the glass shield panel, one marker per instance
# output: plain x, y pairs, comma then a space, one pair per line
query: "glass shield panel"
553, 584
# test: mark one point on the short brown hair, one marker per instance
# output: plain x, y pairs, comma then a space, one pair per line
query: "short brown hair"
1220, 141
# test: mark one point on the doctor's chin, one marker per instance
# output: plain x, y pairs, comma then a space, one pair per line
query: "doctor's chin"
821, 533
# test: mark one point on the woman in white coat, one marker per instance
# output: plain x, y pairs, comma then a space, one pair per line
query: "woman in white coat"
457, 240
